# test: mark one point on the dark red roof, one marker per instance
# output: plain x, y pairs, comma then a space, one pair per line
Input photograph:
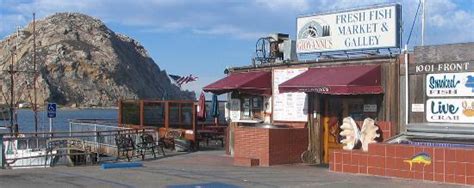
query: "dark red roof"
259, 83
347, 80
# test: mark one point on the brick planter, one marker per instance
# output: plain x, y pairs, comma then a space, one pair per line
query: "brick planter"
265, 147
449, 165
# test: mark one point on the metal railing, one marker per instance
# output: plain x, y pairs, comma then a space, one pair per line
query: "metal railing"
87, 141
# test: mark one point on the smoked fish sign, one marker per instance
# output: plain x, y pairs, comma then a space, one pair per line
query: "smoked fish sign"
450, 85
367, 28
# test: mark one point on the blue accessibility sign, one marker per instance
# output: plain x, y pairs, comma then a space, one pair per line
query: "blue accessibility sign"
51, 110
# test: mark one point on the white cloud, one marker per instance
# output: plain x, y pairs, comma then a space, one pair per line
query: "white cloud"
10, 22
229, 31
446, 22
247, 20
281, 5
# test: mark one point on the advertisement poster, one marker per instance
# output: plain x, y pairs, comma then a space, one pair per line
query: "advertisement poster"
288, 106
234, 109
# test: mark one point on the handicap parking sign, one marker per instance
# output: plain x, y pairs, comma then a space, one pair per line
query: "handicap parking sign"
51, 110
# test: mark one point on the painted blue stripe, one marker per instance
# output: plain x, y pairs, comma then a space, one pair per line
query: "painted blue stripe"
121, 165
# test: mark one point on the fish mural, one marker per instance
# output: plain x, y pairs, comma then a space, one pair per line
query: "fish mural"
421, 158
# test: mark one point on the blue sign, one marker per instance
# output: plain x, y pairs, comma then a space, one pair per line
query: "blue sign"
51, 110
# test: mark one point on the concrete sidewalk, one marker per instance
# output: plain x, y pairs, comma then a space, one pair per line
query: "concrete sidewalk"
198, 168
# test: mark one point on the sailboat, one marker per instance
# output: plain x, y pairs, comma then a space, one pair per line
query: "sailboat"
22, 151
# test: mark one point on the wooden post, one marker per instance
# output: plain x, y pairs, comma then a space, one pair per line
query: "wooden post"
167, 115
141, 112
120, 105
313, 154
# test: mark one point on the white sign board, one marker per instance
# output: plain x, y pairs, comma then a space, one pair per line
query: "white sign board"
369, 28
417, 107
370, 108
456, 110
234, 109
450, 84
288, 106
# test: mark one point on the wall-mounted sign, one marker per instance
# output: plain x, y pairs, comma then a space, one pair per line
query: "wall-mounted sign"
368, 28
450, 84
441, 67
370, 108
288, 106
417, 107
450, 110
234, 109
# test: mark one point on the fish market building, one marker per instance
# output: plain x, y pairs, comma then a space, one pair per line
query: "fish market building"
347, 107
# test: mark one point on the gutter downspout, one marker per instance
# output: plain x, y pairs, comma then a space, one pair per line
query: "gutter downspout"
406, 84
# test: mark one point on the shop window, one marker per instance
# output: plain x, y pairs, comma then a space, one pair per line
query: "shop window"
356, 111
251, 107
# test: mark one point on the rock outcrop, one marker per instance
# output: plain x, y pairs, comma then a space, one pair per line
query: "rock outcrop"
81, 62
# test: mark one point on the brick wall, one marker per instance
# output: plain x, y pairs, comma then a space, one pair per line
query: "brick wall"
265, 147
449, 165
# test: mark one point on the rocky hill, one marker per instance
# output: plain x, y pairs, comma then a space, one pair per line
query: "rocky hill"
81, 62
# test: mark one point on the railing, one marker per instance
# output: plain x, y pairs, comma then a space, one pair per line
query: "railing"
87, 141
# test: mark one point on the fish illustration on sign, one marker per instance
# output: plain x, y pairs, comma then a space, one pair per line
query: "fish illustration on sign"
470, 82
421, 158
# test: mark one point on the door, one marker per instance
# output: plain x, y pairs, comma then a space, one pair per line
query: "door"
336, 108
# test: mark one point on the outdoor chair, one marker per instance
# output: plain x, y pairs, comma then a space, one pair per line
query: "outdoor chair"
125, 146
168, 140
148, 144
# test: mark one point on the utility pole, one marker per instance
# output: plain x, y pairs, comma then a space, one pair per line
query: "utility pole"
423, 23
35, 77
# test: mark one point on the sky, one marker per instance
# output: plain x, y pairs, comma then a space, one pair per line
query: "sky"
203, 37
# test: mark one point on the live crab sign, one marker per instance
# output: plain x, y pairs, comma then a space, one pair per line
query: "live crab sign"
369, 28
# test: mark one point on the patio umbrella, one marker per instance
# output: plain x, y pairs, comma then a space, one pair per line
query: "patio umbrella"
215, 108
201, 108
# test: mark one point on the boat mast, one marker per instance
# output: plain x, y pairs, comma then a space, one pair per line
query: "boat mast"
35, 77
12, 107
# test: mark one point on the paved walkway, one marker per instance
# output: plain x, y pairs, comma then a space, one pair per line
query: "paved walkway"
207, 167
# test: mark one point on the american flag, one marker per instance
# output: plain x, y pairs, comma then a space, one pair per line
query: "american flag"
180, 80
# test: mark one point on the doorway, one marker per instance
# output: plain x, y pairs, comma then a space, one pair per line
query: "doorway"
335, 109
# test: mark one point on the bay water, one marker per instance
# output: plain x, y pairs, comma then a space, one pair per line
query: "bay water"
26, 122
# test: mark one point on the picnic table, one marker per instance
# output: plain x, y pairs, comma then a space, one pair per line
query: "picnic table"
208, 133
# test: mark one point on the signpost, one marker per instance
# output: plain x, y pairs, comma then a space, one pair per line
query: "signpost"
51, 115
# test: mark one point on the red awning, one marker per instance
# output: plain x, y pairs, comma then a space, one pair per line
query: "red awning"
259, 83
347, 80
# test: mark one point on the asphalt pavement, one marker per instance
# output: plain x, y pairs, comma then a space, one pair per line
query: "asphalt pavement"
199, 169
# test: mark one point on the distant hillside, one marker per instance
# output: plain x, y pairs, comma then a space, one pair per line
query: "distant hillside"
83, 63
